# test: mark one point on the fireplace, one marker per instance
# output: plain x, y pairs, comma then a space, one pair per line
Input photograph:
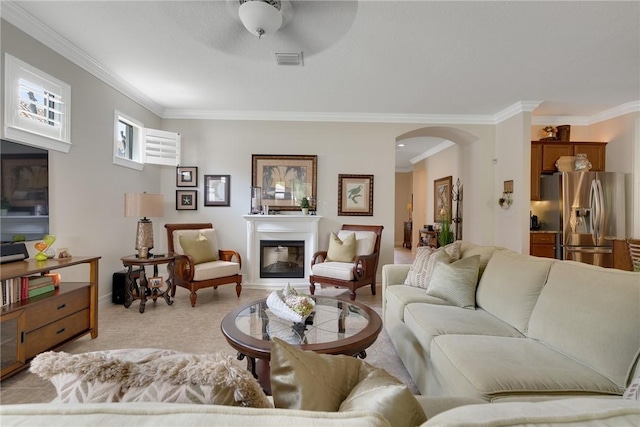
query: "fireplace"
282, 259
269, 230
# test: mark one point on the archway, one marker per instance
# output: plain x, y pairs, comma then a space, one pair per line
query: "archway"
456, 155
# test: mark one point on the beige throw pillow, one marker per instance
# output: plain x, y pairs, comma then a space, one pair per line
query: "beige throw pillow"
342, 250
320, 382
149, 375
456, 282
200, 249
426, 257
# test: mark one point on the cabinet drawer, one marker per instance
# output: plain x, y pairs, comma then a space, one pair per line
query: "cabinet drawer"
544, 251
54, 333
543, 238
57, 307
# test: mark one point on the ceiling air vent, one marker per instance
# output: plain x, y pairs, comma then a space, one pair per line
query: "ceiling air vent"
288, 58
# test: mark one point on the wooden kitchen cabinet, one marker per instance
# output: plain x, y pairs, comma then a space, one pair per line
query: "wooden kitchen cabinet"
45, 322
542, 244
545, 154
550, 154
596, 153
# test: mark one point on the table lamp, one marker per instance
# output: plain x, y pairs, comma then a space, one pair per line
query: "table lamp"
144, 205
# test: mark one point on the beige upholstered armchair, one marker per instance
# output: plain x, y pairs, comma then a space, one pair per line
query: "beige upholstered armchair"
349, 268
200, 264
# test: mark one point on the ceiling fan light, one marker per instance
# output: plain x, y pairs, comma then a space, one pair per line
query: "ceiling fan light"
259, 17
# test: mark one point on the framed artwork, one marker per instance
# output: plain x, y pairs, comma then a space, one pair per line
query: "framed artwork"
186, 200
216, 190
442, 199
285, 179
25, 180
355, 195
155, 282
187, 176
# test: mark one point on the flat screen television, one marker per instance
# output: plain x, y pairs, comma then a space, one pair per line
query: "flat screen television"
24, 192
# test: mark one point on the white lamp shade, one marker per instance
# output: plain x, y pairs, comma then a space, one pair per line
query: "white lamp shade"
143, 205
259, 17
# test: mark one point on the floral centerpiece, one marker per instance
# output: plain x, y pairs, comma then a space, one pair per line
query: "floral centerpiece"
288, 305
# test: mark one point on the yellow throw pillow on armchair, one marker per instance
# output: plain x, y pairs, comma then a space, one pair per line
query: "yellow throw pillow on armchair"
200, 249
342, 250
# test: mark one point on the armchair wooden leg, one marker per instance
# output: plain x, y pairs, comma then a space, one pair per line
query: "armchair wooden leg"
352, 294
373, 288
312, 289
238, 289
193, 297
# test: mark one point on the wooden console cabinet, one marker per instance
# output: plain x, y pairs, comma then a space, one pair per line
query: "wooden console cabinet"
408, 230
45, 322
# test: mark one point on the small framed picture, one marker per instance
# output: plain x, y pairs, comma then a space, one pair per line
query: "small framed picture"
155, 282
187, 176
355, 195
186, 200
216, 190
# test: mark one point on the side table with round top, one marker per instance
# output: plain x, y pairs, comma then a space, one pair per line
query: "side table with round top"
336, 327
153, 260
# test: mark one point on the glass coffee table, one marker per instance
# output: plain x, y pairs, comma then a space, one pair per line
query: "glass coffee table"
336, 327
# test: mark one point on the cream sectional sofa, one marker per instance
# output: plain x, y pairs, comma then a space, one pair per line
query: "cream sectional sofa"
441, 412
541, 329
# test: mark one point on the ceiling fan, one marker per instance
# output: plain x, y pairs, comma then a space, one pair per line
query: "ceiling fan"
312, 26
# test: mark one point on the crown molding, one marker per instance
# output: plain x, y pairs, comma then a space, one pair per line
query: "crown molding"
35, 28
293, 116
438, 148
517, 108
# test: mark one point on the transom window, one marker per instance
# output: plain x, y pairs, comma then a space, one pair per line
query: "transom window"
37, 107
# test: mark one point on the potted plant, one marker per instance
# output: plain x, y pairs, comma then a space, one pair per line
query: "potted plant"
445, 235
4, 205
304, 205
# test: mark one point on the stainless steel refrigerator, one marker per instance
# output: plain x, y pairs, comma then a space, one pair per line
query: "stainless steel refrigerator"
588, 211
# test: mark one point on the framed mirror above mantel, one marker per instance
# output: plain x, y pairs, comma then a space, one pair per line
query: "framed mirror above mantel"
24, 193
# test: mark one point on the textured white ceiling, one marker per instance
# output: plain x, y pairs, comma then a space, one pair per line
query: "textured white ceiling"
364, 58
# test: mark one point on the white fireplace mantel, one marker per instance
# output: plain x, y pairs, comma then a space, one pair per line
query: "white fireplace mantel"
279, 227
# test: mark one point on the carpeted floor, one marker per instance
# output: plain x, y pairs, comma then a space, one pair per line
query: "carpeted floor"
183, 328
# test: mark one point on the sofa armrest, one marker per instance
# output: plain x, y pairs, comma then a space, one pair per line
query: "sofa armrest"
229, 255
394, 274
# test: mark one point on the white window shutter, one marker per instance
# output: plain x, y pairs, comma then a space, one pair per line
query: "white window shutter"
161, 147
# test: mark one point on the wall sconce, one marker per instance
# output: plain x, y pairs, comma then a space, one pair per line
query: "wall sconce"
506, 201
144, 205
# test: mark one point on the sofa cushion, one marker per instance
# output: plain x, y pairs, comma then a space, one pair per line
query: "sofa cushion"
456, 282
510, 286
426, 257
591, 314
320, 382
154, 414
149, 375
336, 270
575, 412
342, 250
199, 249
365, 240
491, 367
208, 233
397, 297
215, 269
429, 321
